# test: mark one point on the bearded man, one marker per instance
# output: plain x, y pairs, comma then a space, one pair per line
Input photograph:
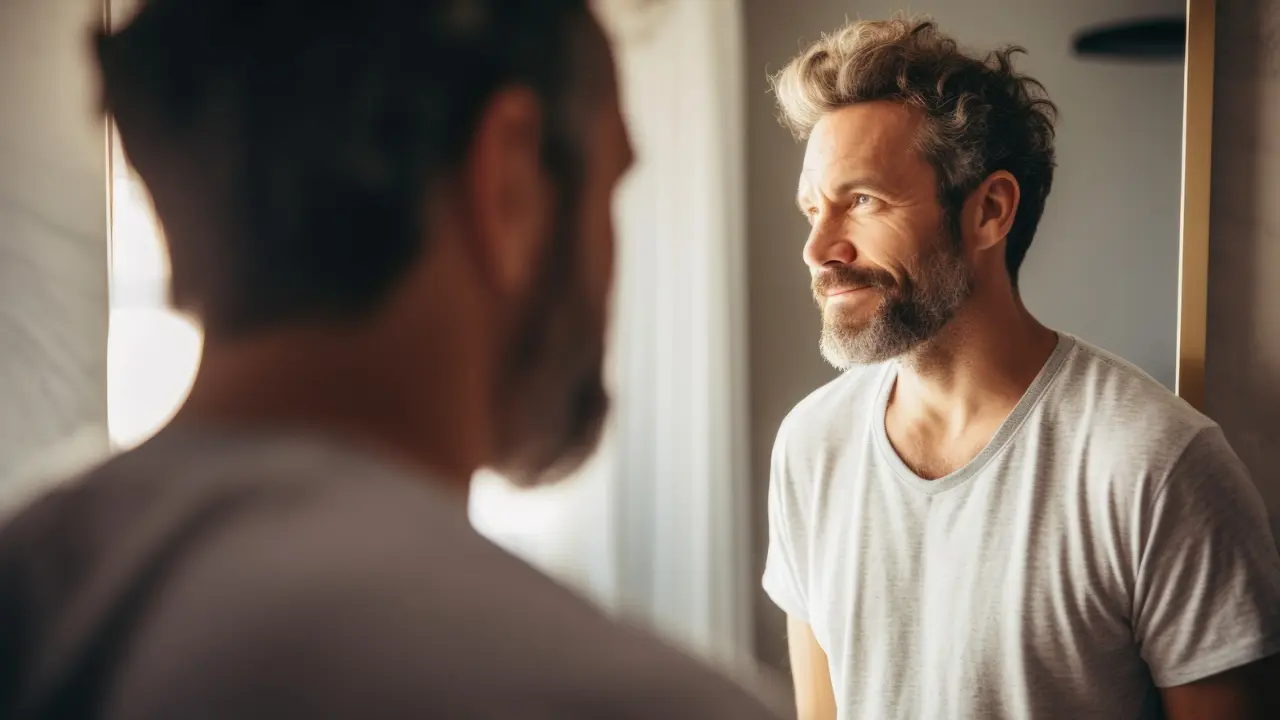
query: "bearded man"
982, 517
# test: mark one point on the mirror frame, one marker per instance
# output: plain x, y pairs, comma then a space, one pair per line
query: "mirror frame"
1193, 253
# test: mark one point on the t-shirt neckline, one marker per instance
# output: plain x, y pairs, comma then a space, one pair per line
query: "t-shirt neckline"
1006, 432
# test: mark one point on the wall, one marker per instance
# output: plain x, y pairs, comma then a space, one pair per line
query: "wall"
53, 243
1104, 264
1242, 374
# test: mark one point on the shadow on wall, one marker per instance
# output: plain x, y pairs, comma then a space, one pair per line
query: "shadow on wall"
1242, 375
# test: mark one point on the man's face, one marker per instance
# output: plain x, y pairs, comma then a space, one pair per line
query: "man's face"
557, 359
887, 271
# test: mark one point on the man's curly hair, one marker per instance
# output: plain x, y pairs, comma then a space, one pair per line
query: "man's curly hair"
980, 115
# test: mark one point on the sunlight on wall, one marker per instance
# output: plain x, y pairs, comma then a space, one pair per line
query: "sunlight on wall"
153, 351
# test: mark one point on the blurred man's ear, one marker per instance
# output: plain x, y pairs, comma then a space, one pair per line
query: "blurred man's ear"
508, 196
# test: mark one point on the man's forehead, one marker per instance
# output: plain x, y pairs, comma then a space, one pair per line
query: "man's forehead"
861, 138
862, 129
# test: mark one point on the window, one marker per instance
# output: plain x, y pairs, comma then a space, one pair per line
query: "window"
152, 350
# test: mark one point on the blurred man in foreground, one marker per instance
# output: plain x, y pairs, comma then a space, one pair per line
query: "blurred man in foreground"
393, 220
984, 518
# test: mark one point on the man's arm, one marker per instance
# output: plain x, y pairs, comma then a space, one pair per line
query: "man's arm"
786, 573
1207, 591
1246, 693
815, 699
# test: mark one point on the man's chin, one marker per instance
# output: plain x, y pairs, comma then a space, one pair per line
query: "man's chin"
571, 460
846, 346
849, 330
554, 456
853, 313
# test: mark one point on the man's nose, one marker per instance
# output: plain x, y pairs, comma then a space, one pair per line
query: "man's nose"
828, 243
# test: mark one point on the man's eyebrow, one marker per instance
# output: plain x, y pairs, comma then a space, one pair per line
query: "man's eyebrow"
845, 188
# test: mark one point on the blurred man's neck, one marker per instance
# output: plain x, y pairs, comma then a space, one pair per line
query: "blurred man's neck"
425, 400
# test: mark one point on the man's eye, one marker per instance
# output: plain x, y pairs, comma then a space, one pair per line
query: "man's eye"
862, 200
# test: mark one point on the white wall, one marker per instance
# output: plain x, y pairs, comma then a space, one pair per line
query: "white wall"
1104, 263
1242, 374
53, 241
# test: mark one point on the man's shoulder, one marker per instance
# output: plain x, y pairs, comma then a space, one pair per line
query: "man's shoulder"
403, 598
317, 565
1134, 432
269, 515
850, 395
1117, 402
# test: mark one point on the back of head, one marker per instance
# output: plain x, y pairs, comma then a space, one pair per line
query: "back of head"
980, 114
305, 157
290, 145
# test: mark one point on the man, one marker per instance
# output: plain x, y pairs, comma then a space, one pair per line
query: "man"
393, 220
983, 518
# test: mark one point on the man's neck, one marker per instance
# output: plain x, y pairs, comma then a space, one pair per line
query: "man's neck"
432, 414
979, 366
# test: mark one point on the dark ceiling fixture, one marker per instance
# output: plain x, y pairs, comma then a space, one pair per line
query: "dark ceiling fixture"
1153, 39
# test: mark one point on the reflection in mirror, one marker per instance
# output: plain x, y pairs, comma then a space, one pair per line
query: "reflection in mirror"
1104, 262
998, 506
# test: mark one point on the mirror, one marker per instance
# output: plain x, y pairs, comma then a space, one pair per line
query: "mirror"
1120, 257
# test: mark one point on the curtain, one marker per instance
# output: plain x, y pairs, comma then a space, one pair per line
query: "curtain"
53, 249
654, 528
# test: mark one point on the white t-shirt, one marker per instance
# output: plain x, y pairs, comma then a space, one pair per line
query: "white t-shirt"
1107, 542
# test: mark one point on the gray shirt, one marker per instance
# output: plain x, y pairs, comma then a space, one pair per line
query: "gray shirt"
209, 575
1106, 543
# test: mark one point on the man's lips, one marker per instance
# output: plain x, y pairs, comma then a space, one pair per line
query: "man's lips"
836, 292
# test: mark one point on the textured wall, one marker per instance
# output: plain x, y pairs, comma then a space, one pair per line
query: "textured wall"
1242, 375
53, 243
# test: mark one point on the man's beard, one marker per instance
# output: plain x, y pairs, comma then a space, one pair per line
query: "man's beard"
911, 311
554, 402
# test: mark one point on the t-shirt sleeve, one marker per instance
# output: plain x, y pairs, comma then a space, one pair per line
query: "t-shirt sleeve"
1207, 590
786, 563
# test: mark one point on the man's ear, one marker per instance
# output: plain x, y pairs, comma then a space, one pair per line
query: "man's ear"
508, 195
990, 210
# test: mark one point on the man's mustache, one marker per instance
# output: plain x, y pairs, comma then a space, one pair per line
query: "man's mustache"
847, 277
